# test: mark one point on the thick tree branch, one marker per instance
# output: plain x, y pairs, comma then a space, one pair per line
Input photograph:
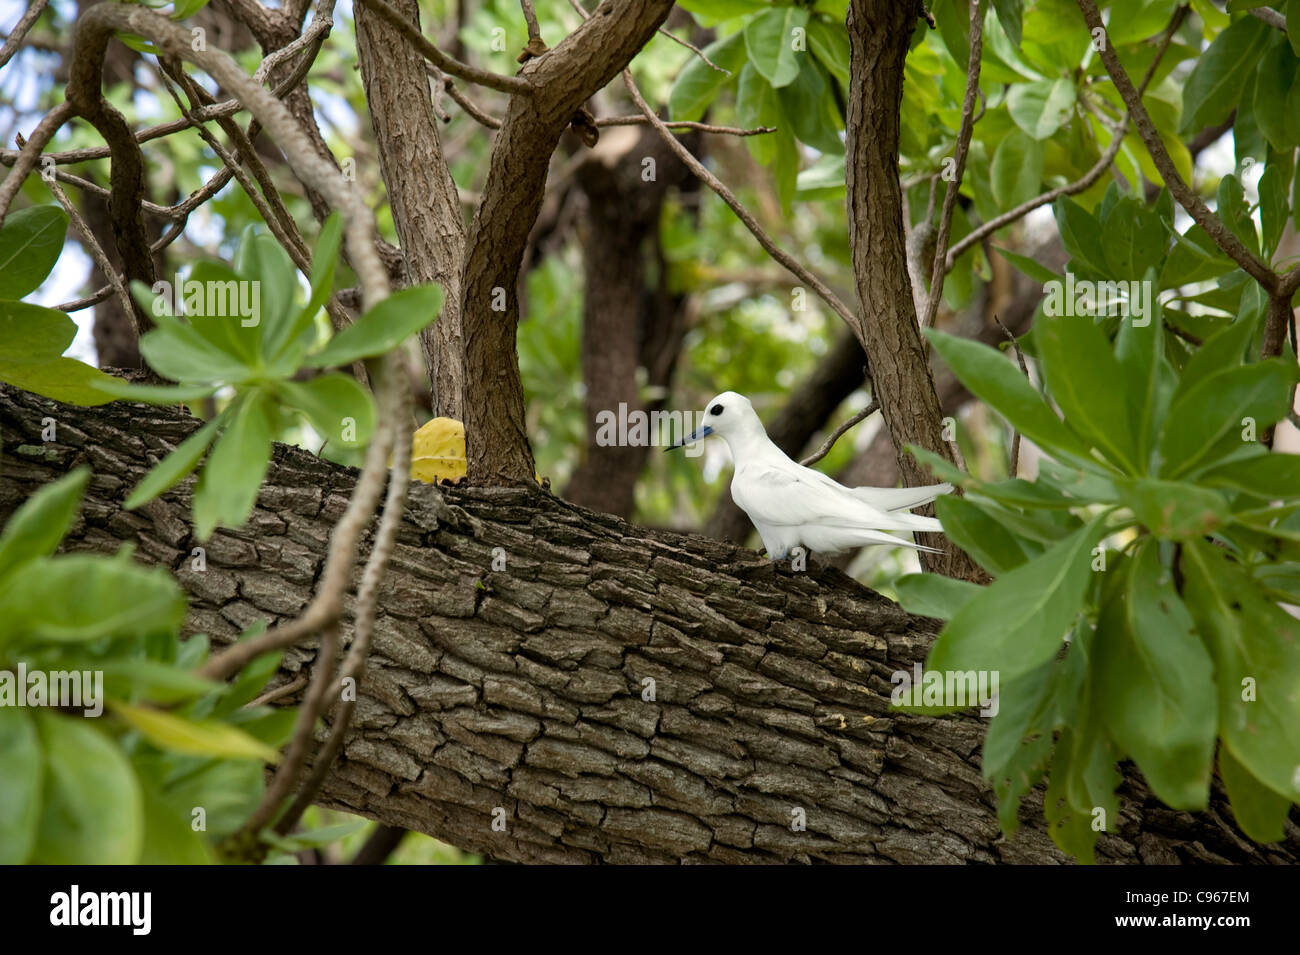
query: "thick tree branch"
524, 688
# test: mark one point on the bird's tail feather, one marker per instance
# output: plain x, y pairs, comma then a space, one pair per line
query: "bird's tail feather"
899, 498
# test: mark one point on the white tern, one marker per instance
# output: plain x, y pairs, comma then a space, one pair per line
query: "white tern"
794, 506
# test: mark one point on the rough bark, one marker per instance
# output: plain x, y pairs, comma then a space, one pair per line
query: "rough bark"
879, 32
421, 193
521, 689
496, 435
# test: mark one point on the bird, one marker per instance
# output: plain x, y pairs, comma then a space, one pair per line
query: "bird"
793, 506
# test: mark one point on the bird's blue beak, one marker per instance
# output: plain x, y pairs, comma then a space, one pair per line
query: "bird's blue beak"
698, 434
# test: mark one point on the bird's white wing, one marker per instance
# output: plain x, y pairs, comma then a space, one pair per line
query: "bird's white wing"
899, 498
797, 496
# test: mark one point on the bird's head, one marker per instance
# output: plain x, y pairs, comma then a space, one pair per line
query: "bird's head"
728, 415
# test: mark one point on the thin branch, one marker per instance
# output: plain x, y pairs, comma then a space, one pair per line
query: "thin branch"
399, 482
1269, 16
839, 433
939, 269
1187, 198
695, 166
448, 64
530, 18
687, 124
280, 692
25, 160
1082, 184
25, 23
92, 246
1020, 357
696, 50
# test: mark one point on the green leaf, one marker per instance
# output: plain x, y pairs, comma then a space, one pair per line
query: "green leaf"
1174, 510
1019, 739
1136, 239
830, 44
1277, 95
155, 394
1216, 81
31, 333
757, 105
324, 264
197, 738
93, 810
770, 39
1076, 356
1224, 349
139, 677
228, 485
63, 379
1260, 812
1010, 16
261, 259
1140, 349
711, 12
994, 380
1234, 209
1025, 264
1256, 650
1081, 234
809, 108
382, 328
81, 597
22, 769
172, 469
969, 527
1042, 107
341, 411
697, 85
30, 243
179, 352
1017, 170
1273, 206
1155, 675
169, 838
1271, 476
36, 528
1019, 621
1207, 421
249, 684
227, 310
932, 595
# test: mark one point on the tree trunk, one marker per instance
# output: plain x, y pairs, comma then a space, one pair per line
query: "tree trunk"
612, 695
879, 32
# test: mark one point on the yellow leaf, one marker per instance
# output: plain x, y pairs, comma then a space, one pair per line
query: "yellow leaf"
198, 738
438, 451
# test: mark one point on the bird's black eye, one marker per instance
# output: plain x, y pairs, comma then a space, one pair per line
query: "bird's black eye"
716, 409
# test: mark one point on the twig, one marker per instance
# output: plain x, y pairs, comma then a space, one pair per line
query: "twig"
1082, 184
687, 124
1187, 198
399, 482
696, 50
839, 433
712, 181
939, 269
1020, 357
25, 160
1269, 16
25, 23
530, 18
448, 64
92, 246
280, 692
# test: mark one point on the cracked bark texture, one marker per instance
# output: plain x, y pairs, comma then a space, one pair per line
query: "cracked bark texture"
879, 32
421, 193
522, 688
